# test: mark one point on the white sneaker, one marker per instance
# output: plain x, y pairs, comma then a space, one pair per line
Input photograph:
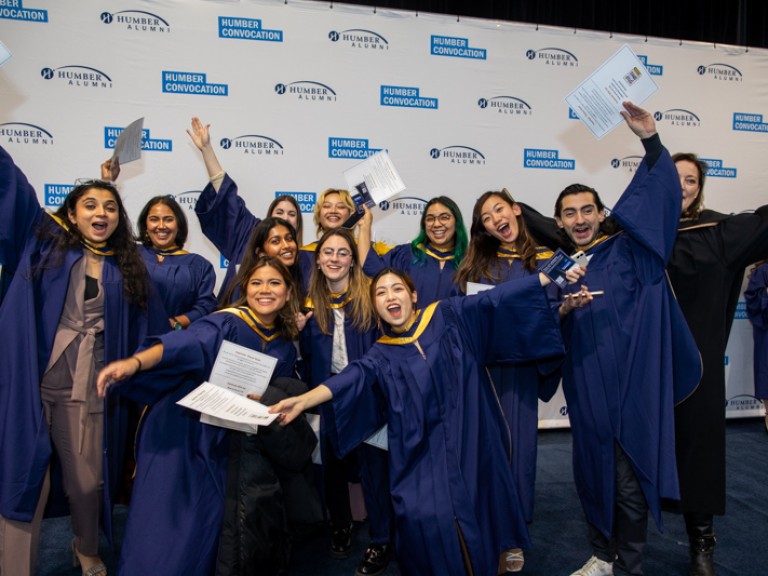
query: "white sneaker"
595, 567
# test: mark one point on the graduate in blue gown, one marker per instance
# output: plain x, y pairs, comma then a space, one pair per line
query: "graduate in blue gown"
756, 296
224, 217
179, 491
456, 507
61, 265
341, 329
431, 259
184, 281
631, 357
500, 250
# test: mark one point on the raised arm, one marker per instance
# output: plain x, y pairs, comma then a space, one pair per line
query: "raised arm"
364, 235
201, 137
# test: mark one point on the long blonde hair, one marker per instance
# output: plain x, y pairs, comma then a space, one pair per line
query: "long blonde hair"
360, 306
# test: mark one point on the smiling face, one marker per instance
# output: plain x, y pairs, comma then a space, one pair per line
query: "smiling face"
499, 218
440, 226
394, 301
334, 259
281, 244
161, 226
287, 211
689, 182
580, 218
96, 215
333, 211
267, 293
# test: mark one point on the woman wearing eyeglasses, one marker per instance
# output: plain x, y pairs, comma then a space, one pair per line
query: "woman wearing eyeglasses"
431, 259
79, 297
340, 330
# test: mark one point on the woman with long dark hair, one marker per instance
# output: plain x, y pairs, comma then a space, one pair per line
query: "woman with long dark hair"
224, 217
181, 484
79, 297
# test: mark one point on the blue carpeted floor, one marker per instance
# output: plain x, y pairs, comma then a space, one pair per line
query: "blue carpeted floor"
558, 532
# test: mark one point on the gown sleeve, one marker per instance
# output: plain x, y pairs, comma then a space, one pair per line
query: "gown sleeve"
756, 296
355, 412
511, 323
225, 219
205, 303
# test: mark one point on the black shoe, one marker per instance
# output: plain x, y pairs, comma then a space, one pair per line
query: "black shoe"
375, 560
702, 550
341, 542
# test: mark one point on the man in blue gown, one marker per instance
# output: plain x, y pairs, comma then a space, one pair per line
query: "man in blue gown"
630, 355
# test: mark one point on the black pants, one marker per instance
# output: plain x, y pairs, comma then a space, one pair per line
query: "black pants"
630, 522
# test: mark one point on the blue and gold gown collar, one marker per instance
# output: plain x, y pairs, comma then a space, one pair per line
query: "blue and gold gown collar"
268, 333
414, 329
100, 248
172, 251
439, 255
542, 253
336, 300
599, 240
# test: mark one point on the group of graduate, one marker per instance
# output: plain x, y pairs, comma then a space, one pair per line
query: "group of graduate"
112, 328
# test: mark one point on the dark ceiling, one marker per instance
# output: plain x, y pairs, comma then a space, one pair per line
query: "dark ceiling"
737, 22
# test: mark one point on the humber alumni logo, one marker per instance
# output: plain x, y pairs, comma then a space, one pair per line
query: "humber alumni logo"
553, 57
358, 148
253, 144
510, 105
23, 133
15, 10
79, 76
720, 71
247, 29
147, 142
459, 155
137, 21
186, 200
307, 91
405, 206
678, 117
455, 48
360, 38
628, 163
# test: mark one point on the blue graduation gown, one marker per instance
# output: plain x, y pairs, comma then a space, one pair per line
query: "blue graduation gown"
630, 356
449, 463
226, 221
432, 283
756, 296
178, 494
519, 387
30, 312
316, 350
184, 283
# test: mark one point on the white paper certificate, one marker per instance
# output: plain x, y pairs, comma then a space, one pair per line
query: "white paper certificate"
5, 54
597, 100
128, 143
475, 288
227, 409
379, 175
242, 370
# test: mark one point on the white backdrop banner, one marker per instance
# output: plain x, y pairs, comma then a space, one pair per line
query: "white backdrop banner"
296, 92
